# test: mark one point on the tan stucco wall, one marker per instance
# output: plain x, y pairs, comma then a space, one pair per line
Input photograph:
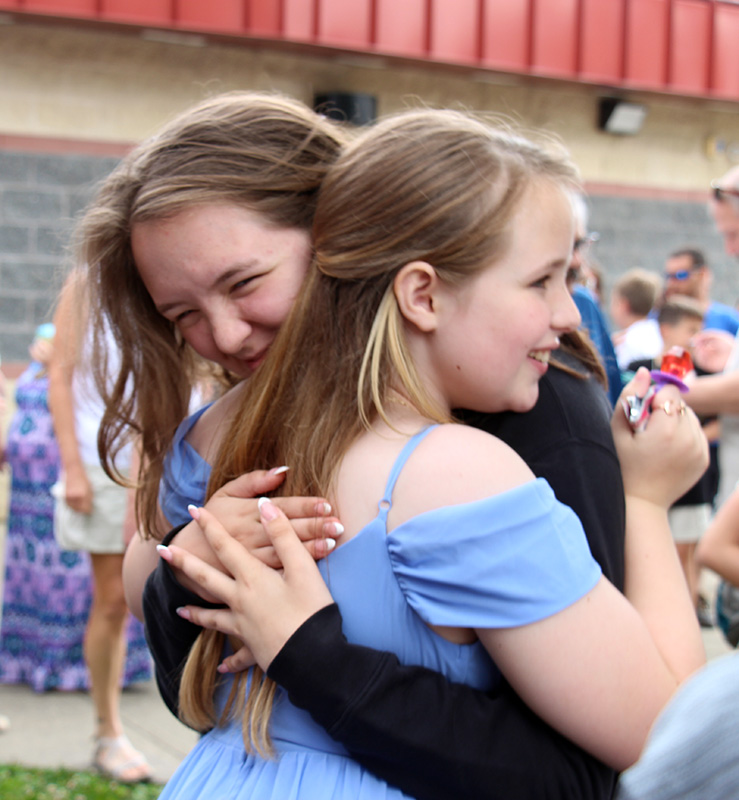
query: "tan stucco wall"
102, 85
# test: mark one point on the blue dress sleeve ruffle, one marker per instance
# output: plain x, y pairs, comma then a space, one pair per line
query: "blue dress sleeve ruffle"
504, 561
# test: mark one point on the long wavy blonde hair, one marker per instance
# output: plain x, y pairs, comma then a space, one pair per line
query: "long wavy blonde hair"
433, 186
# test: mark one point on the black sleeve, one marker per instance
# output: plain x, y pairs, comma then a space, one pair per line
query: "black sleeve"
432, 739
168, 635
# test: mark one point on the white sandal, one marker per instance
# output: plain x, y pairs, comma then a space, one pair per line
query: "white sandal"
116, 758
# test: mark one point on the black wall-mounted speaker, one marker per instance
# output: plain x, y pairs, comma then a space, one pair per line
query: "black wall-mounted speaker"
356, 108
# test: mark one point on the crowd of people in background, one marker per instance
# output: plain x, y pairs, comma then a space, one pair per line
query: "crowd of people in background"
164, 299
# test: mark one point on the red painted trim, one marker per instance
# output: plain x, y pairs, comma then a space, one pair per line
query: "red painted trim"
45, 144
644, 54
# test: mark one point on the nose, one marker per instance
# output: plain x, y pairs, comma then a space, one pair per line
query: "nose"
565, 314
230, 333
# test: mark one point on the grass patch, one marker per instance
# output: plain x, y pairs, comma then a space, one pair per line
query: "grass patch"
29, 783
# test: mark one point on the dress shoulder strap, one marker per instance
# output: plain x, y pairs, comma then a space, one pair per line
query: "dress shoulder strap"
412, 443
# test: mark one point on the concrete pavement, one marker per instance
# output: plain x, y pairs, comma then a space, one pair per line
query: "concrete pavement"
55, 729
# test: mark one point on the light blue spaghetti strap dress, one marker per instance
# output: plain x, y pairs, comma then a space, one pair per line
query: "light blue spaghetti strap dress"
503, 561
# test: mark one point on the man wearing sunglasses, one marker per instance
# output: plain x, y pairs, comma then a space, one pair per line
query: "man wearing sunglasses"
688, 275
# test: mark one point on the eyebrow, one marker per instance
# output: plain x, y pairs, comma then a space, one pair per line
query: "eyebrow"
224, 277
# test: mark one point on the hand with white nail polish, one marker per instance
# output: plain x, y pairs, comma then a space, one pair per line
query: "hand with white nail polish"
265, 607
235, 507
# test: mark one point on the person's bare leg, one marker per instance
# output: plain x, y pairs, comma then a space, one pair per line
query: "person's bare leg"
105, 645
105, 653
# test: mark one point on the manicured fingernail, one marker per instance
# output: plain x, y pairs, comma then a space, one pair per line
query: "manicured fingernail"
267, 509
164, 552
194, 512
183, 612
335, 528
323, 508
278, 470
330, 544
223, 669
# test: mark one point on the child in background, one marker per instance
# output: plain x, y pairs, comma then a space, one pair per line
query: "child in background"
637, 336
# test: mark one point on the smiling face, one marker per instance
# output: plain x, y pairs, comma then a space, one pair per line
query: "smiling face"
498, 329
224, 276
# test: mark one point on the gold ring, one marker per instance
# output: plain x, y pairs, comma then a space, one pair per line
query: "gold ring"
670, 407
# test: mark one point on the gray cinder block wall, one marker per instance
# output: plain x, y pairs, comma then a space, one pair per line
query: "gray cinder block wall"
40, 197
42, 194
637, 232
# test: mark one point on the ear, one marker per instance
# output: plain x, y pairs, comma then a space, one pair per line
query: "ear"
416, 288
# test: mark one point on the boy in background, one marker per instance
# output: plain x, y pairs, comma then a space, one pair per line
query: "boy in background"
633, 298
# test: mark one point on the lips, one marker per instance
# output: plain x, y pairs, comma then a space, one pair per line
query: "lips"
254, 361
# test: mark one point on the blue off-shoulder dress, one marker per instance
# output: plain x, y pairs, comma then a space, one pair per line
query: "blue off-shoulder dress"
504, 561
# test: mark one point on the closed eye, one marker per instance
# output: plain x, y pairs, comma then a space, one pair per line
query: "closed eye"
243, 283
183, 315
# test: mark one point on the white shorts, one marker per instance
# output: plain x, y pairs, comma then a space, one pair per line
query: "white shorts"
98, 532
688, 523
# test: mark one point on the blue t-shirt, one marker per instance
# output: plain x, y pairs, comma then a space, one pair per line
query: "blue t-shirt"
721, 317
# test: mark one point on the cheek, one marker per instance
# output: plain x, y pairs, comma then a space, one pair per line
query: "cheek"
272, 303
200, 338
265, 310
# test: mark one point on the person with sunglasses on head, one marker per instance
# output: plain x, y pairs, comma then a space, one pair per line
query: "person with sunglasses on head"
690, 753
716, 351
